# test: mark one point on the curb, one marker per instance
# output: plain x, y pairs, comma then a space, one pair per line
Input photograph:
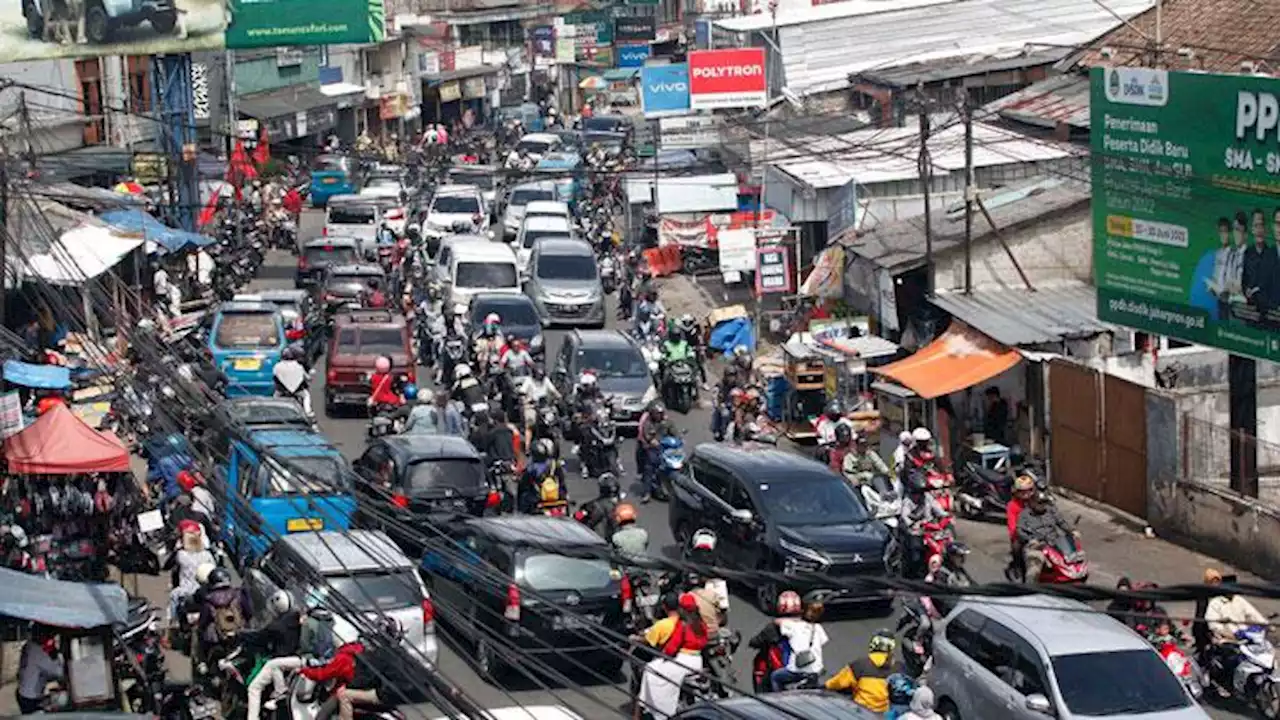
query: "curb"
1131, 522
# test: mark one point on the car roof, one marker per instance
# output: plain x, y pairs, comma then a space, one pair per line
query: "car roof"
457, 189
483, 251
499, 298
1058, 625
793, 703
528, 712
536, 529
420, 446
547, 222
334, 552
546, 206
331, 240
351, 199
559, 161
462, 238
283, 438
541, 137
765, 462
278, 295
603, 338
247, 306
563, 246
549, 185
473, 169
369, 317
248, 401
356, 269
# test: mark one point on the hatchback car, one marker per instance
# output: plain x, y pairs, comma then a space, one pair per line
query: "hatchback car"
345, 285
320, 254
778, 511
536, 227
356, 568
422, 475
483, 177
619, 366
564, 282
1037, 656
518, 314
360, 337
456, 208
520, 197
353, 216
511, 583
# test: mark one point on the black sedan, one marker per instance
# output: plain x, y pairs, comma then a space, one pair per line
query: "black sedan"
519, 317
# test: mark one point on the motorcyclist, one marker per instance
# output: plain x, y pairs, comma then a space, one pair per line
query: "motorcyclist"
1228, 614
676, 348
689, 329
862, 463
597, 513
628, 537
867, 678
841, 446
586, 398
919, 458
746, 365
192, 554
645, 326
1040, 525
805, 637
919, 507
542, 481
202, 508
1024, 489
900, 452
374, 297
382, 385
679, 638
535, 388
490, 342
496, 438
516, 358
657, 428
281, 640
439, 417
467, 389
226, 610
832, 418
769, 641
292, 379
722, 413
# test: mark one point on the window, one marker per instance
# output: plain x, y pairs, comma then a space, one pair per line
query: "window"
610, 362
715, 480
826, 501
558, 572
533, 236
329, 255
1089, 688
89, 75
319, 475
964, 632
523, 196
1010, 658
139, 69
245, 473
738, 497
456, 205
382, 341
247, 331
370, 592
352, 216
535, 147
513, 313
486, 275
567, 267
458, 474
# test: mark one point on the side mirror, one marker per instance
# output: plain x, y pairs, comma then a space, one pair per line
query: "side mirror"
1040, 704
742, 516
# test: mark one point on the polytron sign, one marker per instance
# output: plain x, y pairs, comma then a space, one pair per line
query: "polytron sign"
727, 79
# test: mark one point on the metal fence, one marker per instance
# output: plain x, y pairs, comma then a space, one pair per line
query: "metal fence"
1207, 453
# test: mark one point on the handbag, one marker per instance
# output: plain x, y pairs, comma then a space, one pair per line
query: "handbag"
805, 658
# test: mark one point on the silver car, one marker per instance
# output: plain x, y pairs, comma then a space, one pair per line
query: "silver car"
361, 569
564, 282
1037, 657
521, 196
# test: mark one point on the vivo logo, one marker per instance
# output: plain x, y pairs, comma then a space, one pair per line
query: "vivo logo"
668, 87
635, 54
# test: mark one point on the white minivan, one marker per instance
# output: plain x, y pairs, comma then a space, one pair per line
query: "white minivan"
535, 228
481, 267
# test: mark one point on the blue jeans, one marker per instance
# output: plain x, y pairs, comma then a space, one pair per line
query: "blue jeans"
782, 676
720, 417
649, 470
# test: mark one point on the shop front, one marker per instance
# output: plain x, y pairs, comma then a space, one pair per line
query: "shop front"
449, 95
304, 116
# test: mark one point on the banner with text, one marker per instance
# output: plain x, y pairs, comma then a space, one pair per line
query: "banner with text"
268, 23
664, 89
689, 133
632, 56
1186, 217
727, 79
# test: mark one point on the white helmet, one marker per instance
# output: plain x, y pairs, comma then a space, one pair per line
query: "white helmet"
460, 309
492, 319
587, 379
281, 602
19, 535
202, 573
463, 370
921, 435
905, 438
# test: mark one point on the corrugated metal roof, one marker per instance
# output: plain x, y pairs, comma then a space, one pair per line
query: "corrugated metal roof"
884, 155
701, 193
821, 47
1024, 317
1059, 99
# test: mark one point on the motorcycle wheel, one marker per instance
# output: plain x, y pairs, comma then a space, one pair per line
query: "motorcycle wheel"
1268, 700
681, 404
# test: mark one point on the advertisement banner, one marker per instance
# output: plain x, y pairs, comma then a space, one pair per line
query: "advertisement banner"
631, 56
727, 79
737, 250
450, 91
1185, 217
773, 270
635, 29
664, 89
544, 41
689, 133
270, 23
565, 50
42, 29
473, 88
843, 210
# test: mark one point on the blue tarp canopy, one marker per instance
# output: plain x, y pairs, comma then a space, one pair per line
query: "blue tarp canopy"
141, 222
731, 333
43, 377
78, 605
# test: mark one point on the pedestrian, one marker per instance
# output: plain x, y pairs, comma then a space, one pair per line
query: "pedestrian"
922, 705
37, 667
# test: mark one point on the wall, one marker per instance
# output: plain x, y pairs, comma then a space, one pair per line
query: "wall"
1243, 532
55, 115
1052, 251
258, 71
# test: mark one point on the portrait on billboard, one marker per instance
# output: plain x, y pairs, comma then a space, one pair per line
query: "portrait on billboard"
40, 29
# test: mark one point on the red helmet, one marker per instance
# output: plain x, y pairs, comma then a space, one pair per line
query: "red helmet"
187, 481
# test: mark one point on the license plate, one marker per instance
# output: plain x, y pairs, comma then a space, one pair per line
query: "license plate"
648, 600
328, 181
578, 622
248, 364
304, 524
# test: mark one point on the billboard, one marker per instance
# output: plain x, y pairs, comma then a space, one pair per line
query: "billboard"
269, 23
632, 56
842, 210
727, 79
1186, 215
664, 89
635, 28
690, 132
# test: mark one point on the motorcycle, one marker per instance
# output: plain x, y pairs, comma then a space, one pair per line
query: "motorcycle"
671, 461
380, 422
937, 536
546, 421
1064, 562
680, 385
651, 352
306, 700
698, 259
1255, 679
768, 659
608, 273
598, 453
917, 646
717, 660
980, 491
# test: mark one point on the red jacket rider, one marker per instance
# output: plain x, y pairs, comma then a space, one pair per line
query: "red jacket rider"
1024, 486
382, 390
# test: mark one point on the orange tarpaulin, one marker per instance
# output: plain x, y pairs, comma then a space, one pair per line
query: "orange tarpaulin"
959, 358
59, 443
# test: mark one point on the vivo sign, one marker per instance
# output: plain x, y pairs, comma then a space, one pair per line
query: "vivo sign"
727, 79
664, 89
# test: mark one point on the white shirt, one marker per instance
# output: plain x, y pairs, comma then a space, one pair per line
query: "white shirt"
160, 281
535, 390
802, 636
202, 501
175, 300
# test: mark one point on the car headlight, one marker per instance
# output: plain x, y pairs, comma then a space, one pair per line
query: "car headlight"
649, 395
536, 342
802, 559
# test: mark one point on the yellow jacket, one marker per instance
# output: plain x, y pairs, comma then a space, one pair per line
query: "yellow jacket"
868, 679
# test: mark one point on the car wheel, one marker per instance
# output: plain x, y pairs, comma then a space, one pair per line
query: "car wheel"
488, 664
948, 710
767, 598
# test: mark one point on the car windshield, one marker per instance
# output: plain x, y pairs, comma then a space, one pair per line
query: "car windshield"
512, 313
382, 183
371, 341
533, 147
315, 475
329, 163
533, 236
613, 362
603, 125
823, 501
1089, 688
247, 331
523, 196
484, 181
329, 255
558, 572
352, 216
456, 205
268, 413
453, 474
485, 275
381, 591
567, 267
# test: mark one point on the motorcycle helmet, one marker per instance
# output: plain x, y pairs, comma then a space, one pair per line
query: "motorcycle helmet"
538, 371
905, 439
543, 449
463, 370
921, 436
493, 320
703, 541
643, 314
657, 411
624, 513
882, 642
219, 579
410, 392
390, 629
687, 324
382, 364
844, 433
204, 571
19, 536
789, 603
834, 410
587, 380
1024, 486
609, 486
281, 602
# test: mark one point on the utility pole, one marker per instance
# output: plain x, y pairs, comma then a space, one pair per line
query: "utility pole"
967, 109
926, 180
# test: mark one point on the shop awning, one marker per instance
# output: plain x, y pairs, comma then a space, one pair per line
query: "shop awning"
283, 101
59, 443
58, 603
145, 225
80, 254
959, 358
43, 377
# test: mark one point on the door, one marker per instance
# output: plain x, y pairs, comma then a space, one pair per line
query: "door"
744, 538
999, 683
955, 661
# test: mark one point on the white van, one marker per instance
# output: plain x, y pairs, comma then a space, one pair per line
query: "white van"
481, 267
353, 216
444, 255
553, 208
535, 228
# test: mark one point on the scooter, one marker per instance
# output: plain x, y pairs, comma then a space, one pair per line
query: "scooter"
380, 422
980, 491
1064, 562
1255, 679
680, 385
671, 461
306, 700
608, 273
598, 453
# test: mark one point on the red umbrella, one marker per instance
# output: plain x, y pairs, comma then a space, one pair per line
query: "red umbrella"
262, 153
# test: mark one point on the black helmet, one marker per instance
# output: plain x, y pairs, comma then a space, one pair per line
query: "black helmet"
609, 486
390, 629
219, 579
834, 410
844, 433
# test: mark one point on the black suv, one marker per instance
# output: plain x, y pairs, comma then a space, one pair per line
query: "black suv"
619, 366
519, 317
417, 475
774, 510
547, 604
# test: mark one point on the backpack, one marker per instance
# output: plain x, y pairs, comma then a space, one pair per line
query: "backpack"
549, 491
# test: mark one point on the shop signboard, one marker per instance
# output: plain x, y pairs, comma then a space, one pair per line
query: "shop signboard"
635, 28
664, 89
544, 41
732, 78
842, 210
473, 88
632, 56
450, 92
1185, 218
271, 23
773, 270
149, 168
565, 50
690, 132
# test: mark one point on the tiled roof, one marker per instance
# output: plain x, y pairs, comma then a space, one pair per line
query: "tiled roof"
1223, 33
